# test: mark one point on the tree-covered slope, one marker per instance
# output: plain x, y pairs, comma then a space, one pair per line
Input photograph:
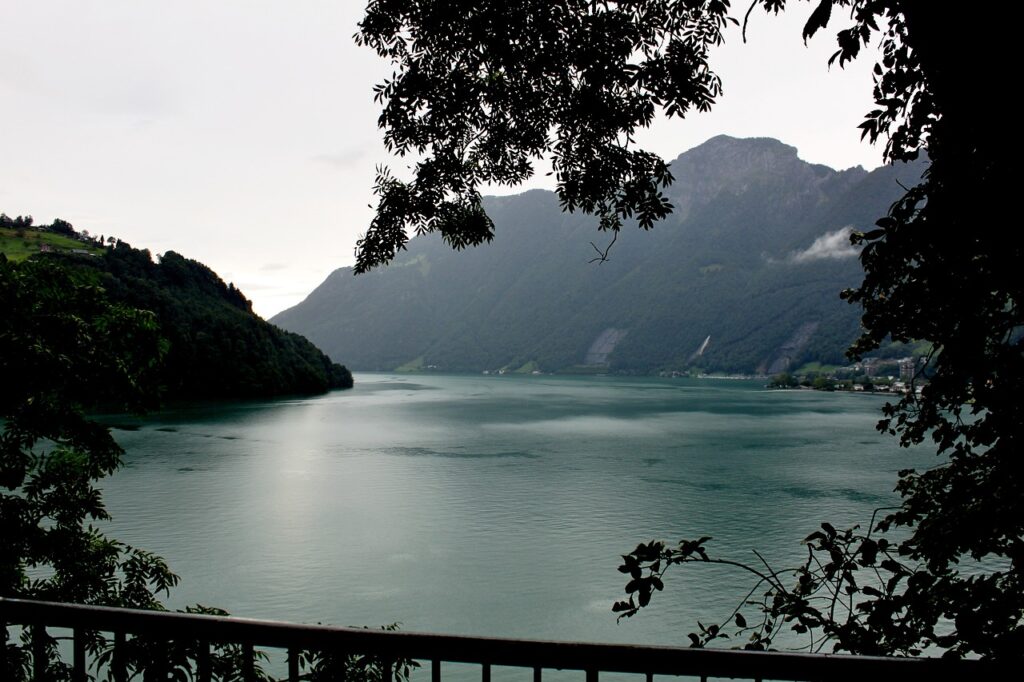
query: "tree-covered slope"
754, 257
216, 346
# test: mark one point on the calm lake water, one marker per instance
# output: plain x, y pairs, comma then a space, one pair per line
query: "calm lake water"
494, 505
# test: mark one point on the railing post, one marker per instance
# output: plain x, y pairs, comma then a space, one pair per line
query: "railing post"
592, 675
386, 672
293, 665
39, 653
485, 674
248, 662
78, 656
163, 663
536, 675
205, 670
435, 670
119, 664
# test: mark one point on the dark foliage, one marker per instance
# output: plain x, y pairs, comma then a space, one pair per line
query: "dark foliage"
218, 348
939, 267
63, 345
18, 223
942, 266
63, 227
484, 88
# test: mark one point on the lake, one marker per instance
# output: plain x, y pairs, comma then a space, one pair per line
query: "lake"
494, 505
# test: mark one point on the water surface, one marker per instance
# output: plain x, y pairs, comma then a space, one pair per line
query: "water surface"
493, 505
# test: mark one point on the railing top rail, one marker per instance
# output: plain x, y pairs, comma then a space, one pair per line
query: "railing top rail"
495, 651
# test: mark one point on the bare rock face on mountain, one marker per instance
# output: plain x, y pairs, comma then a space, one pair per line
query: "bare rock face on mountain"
753, 257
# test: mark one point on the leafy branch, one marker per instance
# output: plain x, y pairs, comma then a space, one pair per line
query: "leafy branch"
851, 591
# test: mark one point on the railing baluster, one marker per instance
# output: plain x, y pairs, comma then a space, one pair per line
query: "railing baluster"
163, 671
248, 663
161, 638
343, 656
39, 652
203, 662
120, 670
78, 656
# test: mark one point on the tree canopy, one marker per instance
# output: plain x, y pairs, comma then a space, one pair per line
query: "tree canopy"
64, 346
484, 89
218, 348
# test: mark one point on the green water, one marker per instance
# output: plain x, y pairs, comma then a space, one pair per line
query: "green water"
494, 505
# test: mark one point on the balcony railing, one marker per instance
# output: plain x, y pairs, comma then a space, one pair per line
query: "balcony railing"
34, 617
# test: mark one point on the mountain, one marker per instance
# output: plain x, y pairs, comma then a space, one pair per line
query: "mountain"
218, 348
743, 277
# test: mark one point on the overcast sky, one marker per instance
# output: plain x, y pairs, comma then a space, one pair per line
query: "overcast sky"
242, 133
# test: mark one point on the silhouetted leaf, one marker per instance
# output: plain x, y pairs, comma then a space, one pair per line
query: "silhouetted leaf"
818, 19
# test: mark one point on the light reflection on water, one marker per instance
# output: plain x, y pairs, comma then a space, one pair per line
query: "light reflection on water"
493, 505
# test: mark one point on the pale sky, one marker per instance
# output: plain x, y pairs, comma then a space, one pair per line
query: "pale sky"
242, 133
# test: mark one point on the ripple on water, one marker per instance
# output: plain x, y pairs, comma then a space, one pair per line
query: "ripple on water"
375, 505
459, 453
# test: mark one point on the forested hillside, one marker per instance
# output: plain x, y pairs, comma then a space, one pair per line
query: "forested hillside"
751, 261
216, 346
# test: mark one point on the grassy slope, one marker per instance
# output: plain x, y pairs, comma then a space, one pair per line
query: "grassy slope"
18, 248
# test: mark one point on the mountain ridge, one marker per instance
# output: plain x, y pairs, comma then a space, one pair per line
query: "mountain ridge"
724, 264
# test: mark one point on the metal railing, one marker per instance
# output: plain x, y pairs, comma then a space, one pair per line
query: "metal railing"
391, 646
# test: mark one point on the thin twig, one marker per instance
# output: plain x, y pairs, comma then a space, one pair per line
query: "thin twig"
602, 256
742, 604
746, 18
874, 514
775, 576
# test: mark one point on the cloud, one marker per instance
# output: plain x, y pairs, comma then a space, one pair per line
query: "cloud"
344, 158
835, 245
256, 285
17, 72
